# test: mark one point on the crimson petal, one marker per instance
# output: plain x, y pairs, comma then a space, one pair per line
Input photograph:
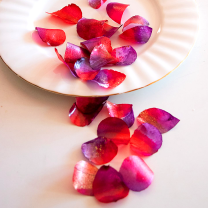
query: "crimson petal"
136, 174
159, 118
109, 30
109, 78
116, 10
108, 185
100, 150
53, 37
70, 14
114, 129
83, 177
96, 3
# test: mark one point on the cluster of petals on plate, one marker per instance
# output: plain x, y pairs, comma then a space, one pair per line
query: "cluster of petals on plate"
87, 61
106, 183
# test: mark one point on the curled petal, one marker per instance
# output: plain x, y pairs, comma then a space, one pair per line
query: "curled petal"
83, 69
83, 177
159, 118
109, 78
96, 3
116, 10
138, 34
90, 104
122, 111
53, 37
136, 174
108, 185
146, 140
114, 129
100, 150
109, 30
70, 14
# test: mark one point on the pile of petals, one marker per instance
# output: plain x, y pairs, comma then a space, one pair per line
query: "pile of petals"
106, 183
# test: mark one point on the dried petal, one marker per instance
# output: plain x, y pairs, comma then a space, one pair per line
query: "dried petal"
109, 30
83, 177
122, 111
159, 118
80, 119
70, 14
116, 10
108, 185
115, 129
83, 69
53, 37
96, 3
109, 78
100, 150
135, 21
146, 140
90, 104
139, 34
136, 174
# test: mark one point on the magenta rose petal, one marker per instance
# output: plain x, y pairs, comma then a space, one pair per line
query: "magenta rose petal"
146, 140
108, 185
116, 10
122, 111
96, 4
138, 34
83, 177
136, 174
159, 118
115, 129
109, 30
70, 14
109, 78
99, 151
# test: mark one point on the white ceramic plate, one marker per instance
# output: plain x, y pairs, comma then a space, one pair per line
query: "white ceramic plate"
174, 23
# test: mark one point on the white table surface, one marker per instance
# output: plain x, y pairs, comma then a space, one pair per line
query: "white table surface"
39, 146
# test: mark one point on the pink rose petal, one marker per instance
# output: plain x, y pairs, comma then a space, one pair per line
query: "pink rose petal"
100, 150
109, 30
146, 140
108, 185
136, 174
159, 118
83, 177
114, 129
96, 3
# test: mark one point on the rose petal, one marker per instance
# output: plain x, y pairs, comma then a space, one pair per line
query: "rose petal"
96, 3
146, 140
122, 111
100, 150
135, 21
114, 129
109, 78
70, 14
80, 119
108, 185
109, 30
139, 34
136, 174
83, 177
53, 37
83, 69
90, 44
90, 104
116, 10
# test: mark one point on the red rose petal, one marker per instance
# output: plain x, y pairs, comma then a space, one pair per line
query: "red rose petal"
116, 10
83, 69
109, 78
114, 129
135, 21
122, 111
109, 30
159, 118
90, 104
100, 150
146, 140
136, 174
108, 185
70, 14
138, 34
96, 3
80, 119
53, 37
83, 177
